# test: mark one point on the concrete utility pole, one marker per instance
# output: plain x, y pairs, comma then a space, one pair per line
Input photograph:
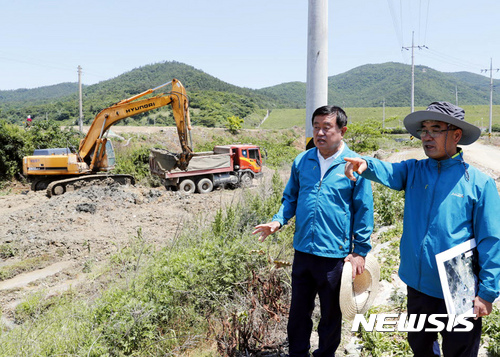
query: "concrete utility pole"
413, 68
491, 91
80, 119
317, 62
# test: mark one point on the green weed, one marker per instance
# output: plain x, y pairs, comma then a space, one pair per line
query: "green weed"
491, 332
29, 264
388, 205
7, 251
133, 161
381, 344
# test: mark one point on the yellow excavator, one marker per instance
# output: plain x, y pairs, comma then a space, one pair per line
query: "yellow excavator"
62, 169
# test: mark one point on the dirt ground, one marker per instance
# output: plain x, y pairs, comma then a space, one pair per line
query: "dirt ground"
67, 234
71, 231
83, 228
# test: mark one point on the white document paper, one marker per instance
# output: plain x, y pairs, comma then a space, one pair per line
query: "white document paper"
456, 267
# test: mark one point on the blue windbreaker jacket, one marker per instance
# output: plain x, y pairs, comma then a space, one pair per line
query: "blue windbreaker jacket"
443, 209
334, 216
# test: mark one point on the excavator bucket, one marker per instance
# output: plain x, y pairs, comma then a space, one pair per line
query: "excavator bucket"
166, 160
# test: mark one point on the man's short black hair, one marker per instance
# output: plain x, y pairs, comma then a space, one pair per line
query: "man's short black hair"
339, 113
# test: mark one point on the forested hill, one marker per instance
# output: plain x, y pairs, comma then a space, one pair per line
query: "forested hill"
214, 100
42, 93
371, 84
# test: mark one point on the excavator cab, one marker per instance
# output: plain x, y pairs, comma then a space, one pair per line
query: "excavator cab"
106, 158
110, 154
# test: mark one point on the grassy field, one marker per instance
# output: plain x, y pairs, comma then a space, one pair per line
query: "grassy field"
286, 118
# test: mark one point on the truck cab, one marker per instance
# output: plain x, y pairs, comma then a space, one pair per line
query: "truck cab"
247, 157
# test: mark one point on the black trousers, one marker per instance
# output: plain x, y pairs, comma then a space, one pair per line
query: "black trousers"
455, 344
311, 276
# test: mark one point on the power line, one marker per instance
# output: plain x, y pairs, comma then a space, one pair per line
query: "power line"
452, 60
52, 66
419, 19
401, 19
427, 20
395, 23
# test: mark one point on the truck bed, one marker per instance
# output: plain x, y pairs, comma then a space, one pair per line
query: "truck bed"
218, 160
208, 160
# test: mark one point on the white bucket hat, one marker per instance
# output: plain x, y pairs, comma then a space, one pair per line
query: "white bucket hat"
445, 112
356, 296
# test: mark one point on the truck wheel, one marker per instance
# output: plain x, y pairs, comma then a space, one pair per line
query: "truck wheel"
246, 180
205, 185
187, 186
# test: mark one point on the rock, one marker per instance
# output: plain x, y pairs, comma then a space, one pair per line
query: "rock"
353, 348
86, 207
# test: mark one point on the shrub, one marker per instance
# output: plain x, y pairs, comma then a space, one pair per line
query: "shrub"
16, 142
362, 136
12, 142
491, 328
133, 161
396, 131
234, 124
48, 134
388, 205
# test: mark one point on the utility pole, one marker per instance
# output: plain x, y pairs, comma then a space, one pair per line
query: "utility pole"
80, 119
317, 62
456, 95
413, 68
491, 90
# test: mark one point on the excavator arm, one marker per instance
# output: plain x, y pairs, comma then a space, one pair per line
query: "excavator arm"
93, 146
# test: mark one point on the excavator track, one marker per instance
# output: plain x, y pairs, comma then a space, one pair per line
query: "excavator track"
59, 187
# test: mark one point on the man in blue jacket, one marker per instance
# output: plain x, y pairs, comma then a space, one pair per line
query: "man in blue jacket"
447, 202
334, 221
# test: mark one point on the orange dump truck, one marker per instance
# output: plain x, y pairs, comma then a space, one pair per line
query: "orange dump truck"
226, 165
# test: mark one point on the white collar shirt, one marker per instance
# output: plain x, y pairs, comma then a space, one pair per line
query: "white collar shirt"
325, 163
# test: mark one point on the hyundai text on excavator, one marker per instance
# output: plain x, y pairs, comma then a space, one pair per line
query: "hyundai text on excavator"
60, 170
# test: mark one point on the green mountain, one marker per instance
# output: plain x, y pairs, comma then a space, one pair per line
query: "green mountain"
371, 84
42, 93
213, 100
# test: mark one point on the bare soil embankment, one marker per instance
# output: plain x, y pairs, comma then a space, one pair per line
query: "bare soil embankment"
54, 242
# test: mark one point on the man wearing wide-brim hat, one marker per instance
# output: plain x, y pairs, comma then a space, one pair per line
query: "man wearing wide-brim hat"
447, 202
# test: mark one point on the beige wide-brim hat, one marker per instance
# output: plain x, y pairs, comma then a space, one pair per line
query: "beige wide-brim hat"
356, 296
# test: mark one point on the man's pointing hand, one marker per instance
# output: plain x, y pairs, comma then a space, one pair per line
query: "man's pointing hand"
354, 164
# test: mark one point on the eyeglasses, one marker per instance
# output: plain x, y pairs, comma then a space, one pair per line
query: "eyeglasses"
432, 133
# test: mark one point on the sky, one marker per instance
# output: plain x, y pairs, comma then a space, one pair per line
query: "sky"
253, 44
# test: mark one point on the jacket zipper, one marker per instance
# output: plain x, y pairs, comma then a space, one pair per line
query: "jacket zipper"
427, 224
315, 212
